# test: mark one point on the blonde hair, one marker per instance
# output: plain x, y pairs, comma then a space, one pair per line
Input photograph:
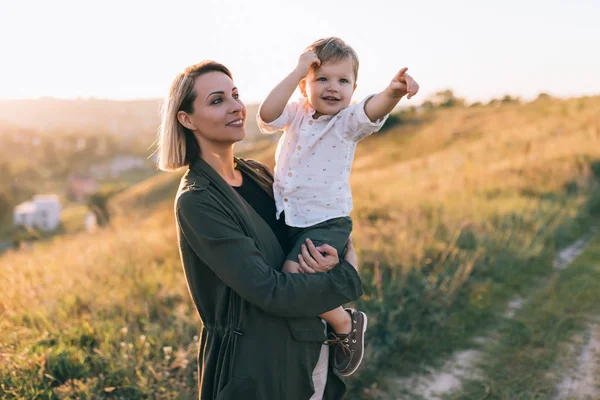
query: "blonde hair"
335, 49
177, 145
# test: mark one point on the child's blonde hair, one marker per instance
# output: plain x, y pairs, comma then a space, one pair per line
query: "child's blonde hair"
177, 145
335, 49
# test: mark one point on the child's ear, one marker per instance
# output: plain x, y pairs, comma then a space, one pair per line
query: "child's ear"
354, 88
302, 86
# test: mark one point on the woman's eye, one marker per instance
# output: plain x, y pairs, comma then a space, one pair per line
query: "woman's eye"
236, 96
216, 101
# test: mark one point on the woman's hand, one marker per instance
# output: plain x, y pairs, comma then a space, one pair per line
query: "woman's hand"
317, 259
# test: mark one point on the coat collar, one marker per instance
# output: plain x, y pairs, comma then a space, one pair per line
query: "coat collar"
207, 175
233, 204
255, 170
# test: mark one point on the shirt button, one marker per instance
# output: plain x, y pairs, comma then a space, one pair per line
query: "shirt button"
285, 199
299, 147
310, 122
290, 174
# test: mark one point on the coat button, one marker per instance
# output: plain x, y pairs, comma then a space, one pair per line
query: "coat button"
310, 122
290, 174
299, 147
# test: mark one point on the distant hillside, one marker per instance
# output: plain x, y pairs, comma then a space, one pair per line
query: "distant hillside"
161, 188
148, 193
447, 154
123, 118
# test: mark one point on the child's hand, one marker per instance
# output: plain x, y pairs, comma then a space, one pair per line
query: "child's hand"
307, 60
403, 84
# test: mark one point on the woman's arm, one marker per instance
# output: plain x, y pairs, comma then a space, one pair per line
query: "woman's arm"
235, 259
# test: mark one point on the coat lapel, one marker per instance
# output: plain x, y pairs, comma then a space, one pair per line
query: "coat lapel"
238, 208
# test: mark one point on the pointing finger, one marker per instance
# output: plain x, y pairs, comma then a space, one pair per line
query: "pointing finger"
400, 74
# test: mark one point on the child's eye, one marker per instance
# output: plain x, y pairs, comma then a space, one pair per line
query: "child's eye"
322, 79
344, 80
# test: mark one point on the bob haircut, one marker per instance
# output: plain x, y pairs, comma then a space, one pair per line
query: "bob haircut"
177, 145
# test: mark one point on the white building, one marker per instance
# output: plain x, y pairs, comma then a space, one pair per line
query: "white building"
42, 212
91, 222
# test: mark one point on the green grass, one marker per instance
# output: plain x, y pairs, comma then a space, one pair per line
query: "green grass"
522, 364
460, 292
515, 194
98, 315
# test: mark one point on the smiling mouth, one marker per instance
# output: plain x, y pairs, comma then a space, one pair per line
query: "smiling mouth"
237, 122
330, 98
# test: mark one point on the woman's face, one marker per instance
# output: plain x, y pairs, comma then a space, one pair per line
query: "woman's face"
219, 115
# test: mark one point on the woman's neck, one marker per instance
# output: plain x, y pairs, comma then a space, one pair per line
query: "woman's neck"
221, 160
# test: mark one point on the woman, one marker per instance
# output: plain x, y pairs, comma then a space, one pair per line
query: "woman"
261, 338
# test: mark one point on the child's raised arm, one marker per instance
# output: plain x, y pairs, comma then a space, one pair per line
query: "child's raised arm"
274, 104
384, 102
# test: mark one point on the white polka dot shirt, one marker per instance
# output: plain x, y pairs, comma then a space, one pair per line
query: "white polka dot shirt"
314, 160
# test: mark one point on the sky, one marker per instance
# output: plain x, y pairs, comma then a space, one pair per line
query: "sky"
131, 49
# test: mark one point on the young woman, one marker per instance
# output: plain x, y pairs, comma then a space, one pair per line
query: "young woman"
261, 336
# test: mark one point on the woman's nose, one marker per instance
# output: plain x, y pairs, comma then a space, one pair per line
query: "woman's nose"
237, 107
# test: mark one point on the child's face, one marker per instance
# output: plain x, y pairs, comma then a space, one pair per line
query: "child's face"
329, 88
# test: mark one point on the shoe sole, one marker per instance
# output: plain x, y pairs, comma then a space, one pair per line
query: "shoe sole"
363, 347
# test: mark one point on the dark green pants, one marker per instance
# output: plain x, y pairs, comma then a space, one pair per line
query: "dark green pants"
335, 232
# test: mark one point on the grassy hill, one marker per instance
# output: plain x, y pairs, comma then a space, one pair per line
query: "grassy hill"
456, 210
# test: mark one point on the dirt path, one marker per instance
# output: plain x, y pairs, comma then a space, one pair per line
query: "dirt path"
581, 380
434, 383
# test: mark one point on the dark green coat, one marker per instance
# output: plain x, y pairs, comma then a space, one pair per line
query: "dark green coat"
261, 337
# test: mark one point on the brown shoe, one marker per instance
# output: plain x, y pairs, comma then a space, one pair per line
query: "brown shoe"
349, 349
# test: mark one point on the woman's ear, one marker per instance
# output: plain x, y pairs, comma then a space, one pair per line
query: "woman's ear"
302, 86
185, 120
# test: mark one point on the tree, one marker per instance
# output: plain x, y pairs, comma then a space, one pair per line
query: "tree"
443, 99
98, 203
446, 98
508, 99
6, 205
543, 96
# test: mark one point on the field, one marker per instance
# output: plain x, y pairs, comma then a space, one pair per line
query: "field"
457, 210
